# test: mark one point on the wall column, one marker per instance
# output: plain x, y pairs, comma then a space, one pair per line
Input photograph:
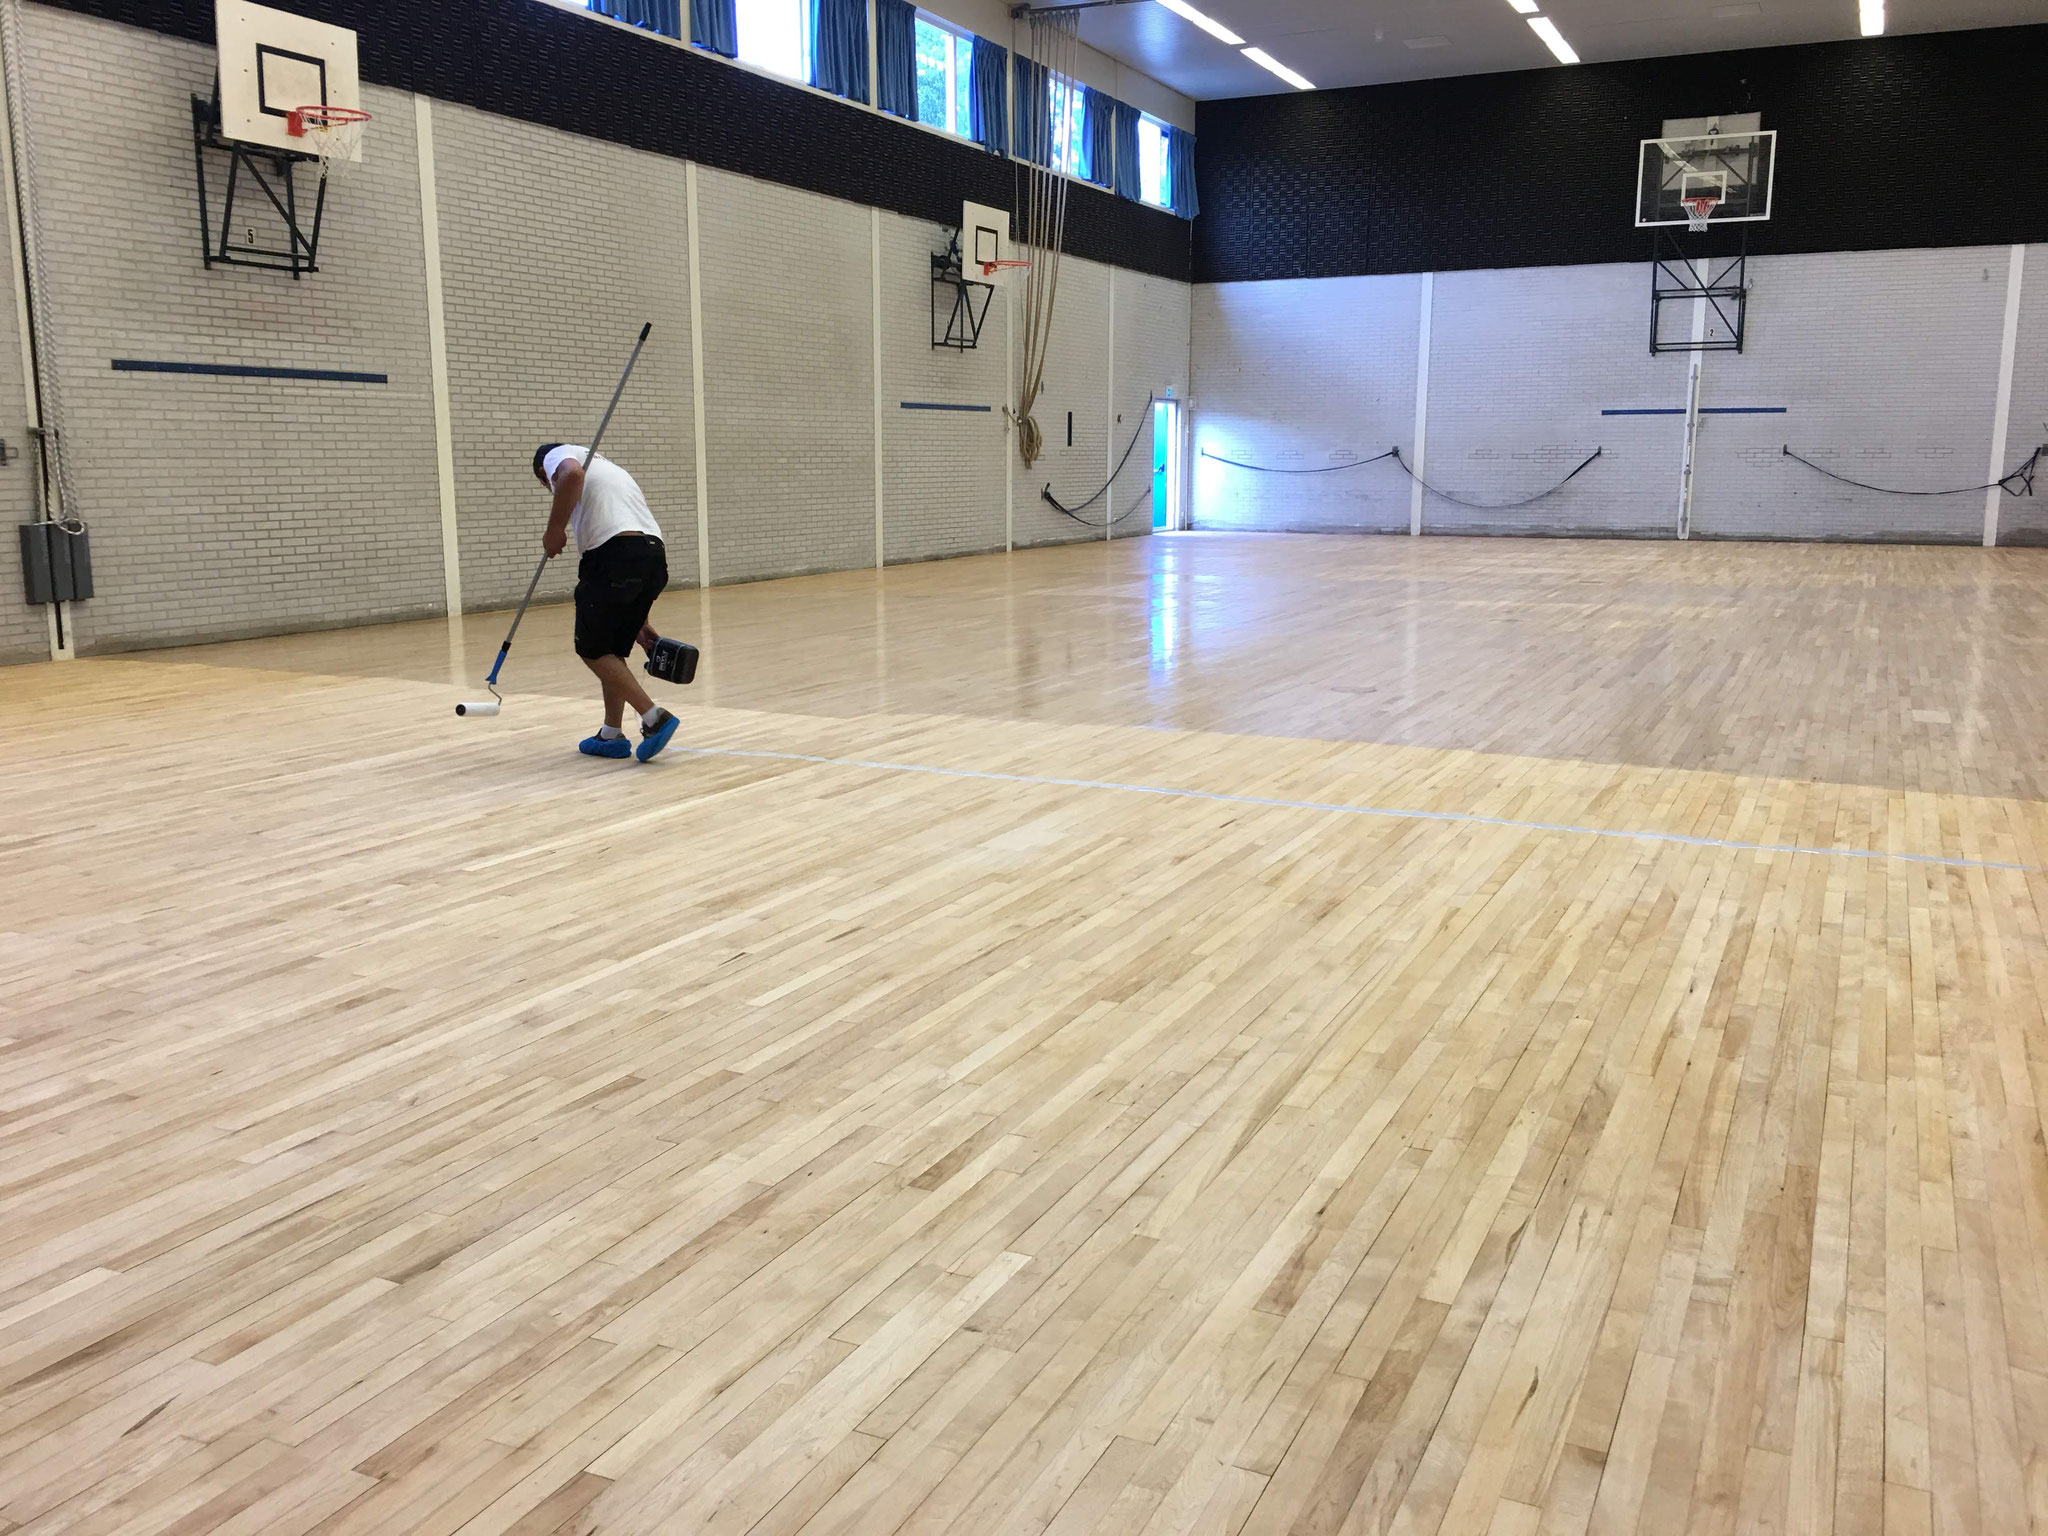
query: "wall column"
437, 354
1421, 406
697, 375
875, 272
2001, 421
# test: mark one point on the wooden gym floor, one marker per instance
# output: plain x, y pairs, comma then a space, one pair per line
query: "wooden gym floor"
1202, 1035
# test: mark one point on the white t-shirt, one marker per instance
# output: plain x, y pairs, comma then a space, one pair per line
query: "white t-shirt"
612, 501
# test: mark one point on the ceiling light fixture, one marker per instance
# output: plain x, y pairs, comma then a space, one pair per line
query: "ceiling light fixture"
1526, 7
1214, 28
1873, 18
1266, 61
1553, 39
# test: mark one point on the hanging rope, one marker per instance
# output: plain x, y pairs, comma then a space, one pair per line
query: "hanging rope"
2019, 483
1395, 455
1055, 503
1135, 507
60, 496
1501, 506
1053, 44
1320, 469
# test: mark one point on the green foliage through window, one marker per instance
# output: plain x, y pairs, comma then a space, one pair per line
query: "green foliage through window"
945, 61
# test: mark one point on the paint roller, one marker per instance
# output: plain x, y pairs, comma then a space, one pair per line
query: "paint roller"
491, 705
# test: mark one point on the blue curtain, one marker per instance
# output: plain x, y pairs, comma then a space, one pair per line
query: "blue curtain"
714, 25
1034, 113
896, 57
1126, 135
839, 51
663, 16
1098, 135
1180, 158
988, 99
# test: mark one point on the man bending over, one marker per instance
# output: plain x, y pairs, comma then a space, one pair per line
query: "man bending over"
622, 570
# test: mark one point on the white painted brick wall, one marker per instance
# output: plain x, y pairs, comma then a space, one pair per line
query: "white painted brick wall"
1888, 363
1153, 316
942, 470
231, 507
1300, 375
227, 506
554, 250
788, 379
1521, 365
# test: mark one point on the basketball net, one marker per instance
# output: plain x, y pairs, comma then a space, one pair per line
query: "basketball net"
1699, 211
332, 135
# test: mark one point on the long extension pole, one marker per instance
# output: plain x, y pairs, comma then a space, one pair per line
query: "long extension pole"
597, 437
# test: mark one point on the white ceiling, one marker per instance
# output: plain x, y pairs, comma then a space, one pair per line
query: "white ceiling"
1367, 42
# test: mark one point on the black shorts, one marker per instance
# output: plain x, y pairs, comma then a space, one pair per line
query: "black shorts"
616, 585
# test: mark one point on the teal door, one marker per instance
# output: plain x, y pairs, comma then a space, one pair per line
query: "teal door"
1162, 446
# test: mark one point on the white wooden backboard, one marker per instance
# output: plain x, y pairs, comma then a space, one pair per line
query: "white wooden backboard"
984, 236
272, 61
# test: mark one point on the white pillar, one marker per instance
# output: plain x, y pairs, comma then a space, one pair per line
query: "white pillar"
697, 375
1109, 422
875, 272
2001, 421
1689, 458
437, 357
1421, 405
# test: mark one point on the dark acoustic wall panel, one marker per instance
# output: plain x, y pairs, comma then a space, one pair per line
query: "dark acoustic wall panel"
536, 62
1931, 140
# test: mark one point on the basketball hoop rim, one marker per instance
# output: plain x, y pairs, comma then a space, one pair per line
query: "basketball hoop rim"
316, 115
990, 268
1699, 211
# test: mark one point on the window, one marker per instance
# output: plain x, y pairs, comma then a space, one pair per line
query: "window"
945, 71
1155, 166
776, 35
1069, 144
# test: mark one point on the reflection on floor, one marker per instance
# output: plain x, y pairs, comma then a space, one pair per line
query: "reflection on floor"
1909, 668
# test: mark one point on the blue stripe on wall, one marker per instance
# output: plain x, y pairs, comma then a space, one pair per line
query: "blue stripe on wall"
1705, 410
245, 371
933, 405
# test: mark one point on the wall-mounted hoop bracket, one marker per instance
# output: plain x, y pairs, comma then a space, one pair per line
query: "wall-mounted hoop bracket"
959, 302
253, 171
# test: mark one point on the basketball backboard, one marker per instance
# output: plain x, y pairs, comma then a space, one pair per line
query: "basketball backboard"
984, 238
1732, 167
271, 62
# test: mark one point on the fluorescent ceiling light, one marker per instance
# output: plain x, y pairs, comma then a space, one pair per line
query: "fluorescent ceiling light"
1553, 39
1873, 18
1526, 7
1266, 61
1214, 28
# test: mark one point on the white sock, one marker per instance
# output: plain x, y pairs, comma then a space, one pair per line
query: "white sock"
609, 733
652, 718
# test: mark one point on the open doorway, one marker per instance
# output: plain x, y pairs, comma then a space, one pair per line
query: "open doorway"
1169, 499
